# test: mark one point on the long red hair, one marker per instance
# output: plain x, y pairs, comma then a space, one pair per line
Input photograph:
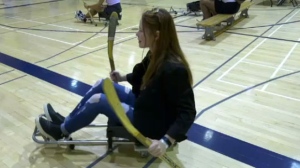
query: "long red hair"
166, 47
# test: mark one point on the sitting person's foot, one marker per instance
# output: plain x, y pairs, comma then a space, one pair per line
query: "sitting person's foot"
80, 16
53, 116
48, 129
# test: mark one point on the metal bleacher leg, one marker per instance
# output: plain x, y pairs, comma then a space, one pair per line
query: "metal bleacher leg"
294, 3
172, 10
244, 13
271, 3
209, 34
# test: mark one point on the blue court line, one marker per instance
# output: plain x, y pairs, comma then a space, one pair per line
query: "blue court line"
239, 150
45, 74
29, 4
221, 143
81, 88
220, 66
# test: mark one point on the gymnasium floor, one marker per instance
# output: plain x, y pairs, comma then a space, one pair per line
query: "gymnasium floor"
246, 84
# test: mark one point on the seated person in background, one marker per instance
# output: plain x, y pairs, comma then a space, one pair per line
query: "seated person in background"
161, 103
213, 7
104, 10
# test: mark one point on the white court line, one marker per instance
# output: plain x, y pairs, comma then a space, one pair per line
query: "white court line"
251, 51
208, 90
237, 98
93, 48
129, 28
41, 36
68, 43
275, 94
116, 31
268, 66
90, 48
54, 25
11, 23
235, 84
102, 45
279, 95
281, 64
64, 42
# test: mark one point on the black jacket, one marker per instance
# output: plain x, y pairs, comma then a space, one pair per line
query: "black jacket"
167, 105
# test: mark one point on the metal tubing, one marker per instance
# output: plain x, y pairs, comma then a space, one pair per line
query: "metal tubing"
76, 142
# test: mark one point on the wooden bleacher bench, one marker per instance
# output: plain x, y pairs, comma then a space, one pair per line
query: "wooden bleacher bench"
211, 24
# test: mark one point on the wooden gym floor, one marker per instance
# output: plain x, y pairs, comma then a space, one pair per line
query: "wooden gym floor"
247, 86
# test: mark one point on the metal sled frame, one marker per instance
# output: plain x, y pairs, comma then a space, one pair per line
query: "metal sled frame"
113, 133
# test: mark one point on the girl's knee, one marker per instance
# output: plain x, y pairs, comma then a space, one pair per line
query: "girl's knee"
99, 82
203, 2
95, 98
206, 2
96, 86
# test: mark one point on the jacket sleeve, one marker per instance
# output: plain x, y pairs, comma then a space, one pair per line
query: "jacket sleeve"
179, 93
129, 78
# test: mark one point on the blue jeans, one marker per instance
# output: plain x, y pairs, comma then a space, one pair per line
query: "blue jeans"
94, 103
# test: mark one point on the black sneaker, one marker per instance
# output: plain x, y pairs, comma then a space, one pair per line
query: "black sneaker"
48, 129
53, 116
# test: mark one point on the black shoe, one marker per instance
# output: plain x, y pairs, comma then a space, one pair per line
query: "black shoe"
53, 116
48, 129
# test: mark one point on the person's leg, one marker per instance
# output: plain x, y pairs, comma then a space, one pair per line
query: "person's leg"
226, 8
92, 12
53, 116
97, 104
208, 8
124, 93
109, 10
104, 14
119, 10
94, 9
